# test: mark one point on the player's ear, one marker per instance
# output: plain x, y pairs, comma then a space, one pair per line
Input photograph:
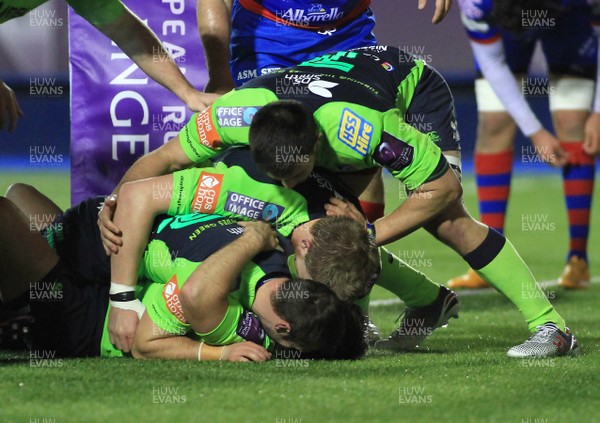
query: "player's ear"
305, 245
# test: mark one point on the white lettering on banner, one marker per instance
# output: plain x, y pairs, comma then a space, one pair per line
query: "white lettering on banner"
177, 6
177, 27
132, 139
127, 95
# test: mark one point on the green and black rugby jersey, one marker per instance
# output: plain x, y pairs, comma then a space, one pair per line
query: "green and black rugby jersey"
358, 99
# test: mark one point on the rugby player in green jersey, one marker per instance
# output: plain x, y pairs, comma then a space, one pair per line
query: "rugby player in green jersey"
336, 251
70, 296
136, 39
353, 111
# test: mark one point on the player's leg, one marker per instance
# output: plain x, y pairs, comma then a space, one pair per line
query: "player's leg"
491, 255
493, 160
39, 209
571, 53
26, 256
493, 156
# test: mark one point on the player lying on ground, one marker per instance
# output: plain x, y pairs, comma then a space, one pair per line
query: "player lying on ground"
347, 112
70, 296
336, 251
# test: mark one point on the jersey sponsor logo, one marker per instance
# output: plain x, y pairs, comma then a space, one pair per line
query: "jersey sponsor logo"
252, 208
207, 131
270, 69
207, 193
171, 296
247, 74
320, 88
387, 66
250, 329
355, 132
377, 48
315, 13
236, 117
393, 153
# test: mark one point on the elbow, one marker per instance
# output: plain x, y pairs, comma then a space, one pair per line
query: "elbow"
140, 350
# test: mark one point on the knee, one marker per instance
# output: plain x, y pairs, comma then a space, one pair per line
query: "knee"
494, 124
18, 190
570, 125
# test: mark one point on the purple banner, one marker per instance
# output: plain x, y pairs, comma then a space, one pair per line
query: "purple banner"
118, 113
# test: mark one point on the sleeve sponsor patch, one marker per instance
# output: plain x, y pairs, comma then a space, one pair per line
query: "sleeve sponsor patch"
207, 131
236, 117
207, 193
250, 329
252, 208
171, 296
393, 153
355, 132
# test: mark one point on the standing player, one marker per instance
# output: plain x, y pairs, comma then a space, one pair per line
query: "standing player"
136, 39
244, 39
503, 35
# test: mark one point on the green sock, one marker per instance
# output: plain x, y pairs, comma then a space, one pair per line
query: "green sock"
509, 274
410, 285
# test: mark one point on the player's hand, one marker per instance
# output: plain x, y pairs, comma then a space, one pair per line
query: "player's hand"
198, 101
261, 233
442, 7
9, 107
121, 328
110, 234
245, 351
219, 85
338, 207
591, 141
549, 149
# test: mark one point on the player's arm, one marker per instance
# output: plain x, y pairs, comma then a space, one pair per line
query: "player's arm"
214, 25
166, 159
140, 202
153, 342
491, 59
421, 205
142, 45
204, 295
9, 108
442, 7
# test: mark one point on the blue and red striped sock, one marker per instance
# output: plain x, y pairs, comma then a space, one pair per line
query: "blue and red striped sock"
492, 172
578, 184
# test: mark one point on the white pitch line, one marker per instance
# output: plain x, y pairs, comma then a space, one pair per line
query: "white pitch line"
469, 292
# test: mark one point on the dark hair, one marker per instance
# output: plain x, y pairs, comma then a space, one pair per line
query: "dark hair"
508, 14
283, 134
342, 257
321, 324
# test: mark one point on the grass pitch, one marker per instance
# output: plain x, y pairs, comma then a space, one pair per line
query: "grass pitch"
461, 374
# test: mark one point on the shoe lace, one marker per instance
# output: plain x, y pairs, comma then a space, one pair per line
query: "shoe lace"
543, 333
